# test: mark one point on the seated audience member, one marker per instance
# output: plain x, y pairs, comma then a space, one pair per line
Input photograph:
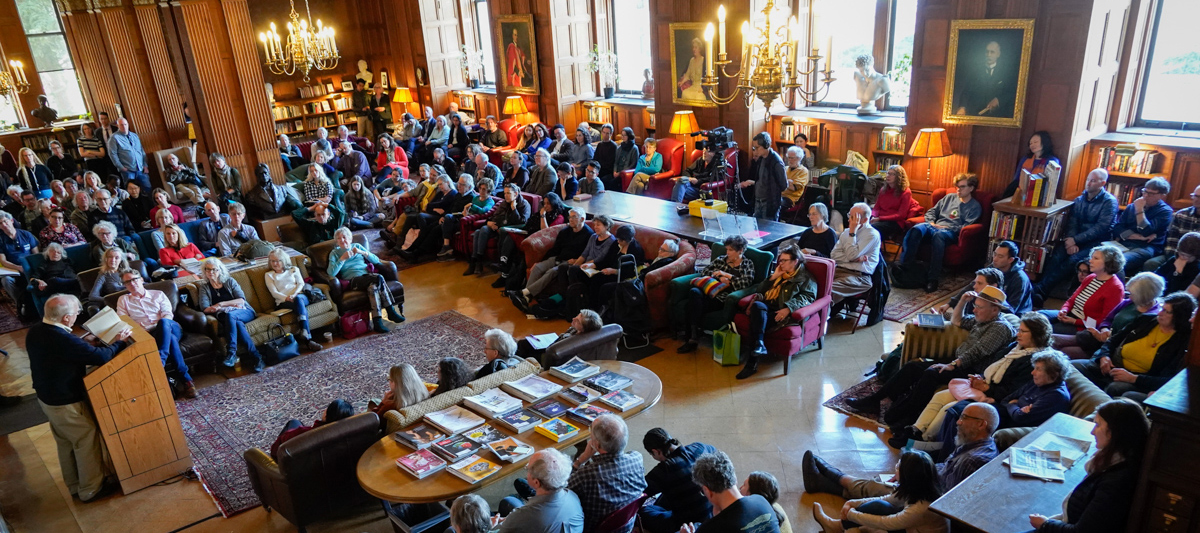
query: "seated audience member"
138, 206
543, 178
991, 329
108, 279
469, 203
269, 199
288, 152
390, 188
405, 388
907, 508
512, 258
390, 154
1142, 230
560, 145
1102, 501
82, 205
59, 194
1007, 259
235, 233
764, 484
31, 213
61, 164
106, 240
337, 410
735, 512
287, 286
189, 188
787, 289
1089, 224
162, 219
437, 205
452, 374
649, 164
856, 254
493, 136
583, 291
1144, 355
470, 514
998, 380
59, 231
819, 239
942, 223
176, 247
408, 131
105, 212
626, 158
113, 186
1099, 293
606, 153
723, 276
210, 228
975, 448
457, 138
318, 189
586, 321
797, 178
513, 211
1181, 266
44, 206
1040, 398
514, 169
579, 152
152, 310
679, 500
224, 181
567, 249
362, 209
54, 275
221, 296
441, 159
568, 183
350, 162
442, 219
810, 161
318, 222
1144, 290
484, 169
590, 185
1184, 221
894, 205
606, 476
500, 350
348, 261
553, 507
13, 204
983, 277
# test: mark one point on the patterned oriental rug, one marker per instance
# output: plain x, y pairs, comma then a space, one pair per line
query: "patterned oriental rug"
249, 411
9, 319
870, 386
903, 304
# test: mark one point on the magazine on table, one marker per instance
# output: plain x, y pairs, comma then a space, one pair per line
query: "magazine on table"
578, 394
531, 388
492, 403
421, 463
511, 450
574, 370
473, 469
454, 420
1070, 450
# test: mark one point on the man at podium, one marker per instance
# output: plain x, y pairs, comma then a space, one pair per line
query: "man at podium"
58, 361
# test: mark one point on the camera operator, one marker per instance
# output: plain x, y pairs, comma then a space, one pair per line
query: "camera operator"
709, 167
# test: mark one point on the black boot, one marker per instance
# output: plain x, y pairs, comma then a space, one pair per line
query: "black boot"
470, 267
866, 404
750, 368
818, 479
689, 345
377, 325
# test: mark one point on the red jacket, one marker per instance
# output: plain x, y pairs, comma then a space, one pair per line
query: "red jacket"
1102, 301
171, 257
400, 163
889, 207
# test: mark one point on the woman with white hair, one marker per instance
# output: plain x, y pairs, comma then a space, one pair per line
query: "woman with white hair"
286, 285
222, 297
348, 261
1145, 291
54, 274
500, 349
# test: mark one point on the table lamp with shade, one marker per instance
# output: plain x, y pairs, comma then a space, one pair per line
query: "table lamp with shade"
515, 106
684, 123
403, 96
930, 143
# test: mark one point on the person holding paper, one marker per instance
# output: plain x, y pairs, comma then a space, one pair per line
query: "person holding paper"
1099, 293
586, 321
723, 276
152, 311
14, 244
57, 363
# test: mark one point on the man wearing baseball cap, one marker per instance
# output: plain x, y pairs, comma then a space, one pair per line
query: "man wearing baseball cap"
992, 328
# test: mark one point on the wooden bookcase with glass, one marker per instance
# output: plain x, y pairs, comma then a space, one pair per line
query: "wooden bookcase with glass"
1034, 229
1129, 166
300, 117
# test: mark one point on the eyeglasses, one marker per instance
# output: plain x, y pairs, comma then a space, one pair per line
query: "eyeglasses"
133, 279
969, 417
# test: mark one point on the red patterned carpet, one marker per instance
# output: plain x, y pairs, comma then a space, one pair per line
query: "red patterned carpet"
249, 411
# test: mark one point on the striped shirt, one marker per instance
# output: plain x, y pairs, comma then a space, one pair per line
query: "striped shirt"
91, 144
1087, 292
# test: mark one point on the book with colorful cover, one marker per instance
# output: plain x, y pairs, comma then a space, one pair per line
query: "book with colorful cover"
549, 408
454, 420
473, 469
531, 388
621, 400
574, 370
492, 403
419, 437
578, 394
587, 413
608, 381
485, 434
455, 448
520, 421
511, 450
421, 463
557, 429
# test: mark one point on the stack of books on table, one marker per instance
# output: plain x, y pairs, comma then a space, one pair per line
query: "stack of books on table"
531, 388
549, 408
577, 394
473, 469
557, 429
485, 434
586, 414
455, 448
519, 421
421, 464
492, 403
621, 400
574, 370
511, 450
419, 437
608, 381
454, 420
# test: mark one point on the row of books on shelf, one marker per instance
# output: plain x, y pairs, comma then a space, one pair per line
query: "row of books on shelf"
1013, 227
1040, 189
1129, 160
326, 121
468, 442
313, 91
882, 162
295, 126
286, 111
787, 132
42, 141
466, 101
1125, 193
891, 142
599, 113
1035, 257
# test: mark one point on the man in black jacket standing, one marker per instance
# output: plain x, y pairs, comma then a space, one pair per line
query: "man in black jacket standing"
768, 177
57, 362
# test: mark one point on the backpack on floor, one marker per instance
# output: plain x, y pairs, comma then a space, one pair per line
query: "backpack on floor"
629, 306
913, 276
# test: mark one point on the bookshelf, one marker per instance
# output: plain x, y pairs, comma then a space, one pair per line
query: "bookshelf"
889, 148
40, 141
476, 104
621, 112
1175, 158
300, 117
880, 138
1034, 229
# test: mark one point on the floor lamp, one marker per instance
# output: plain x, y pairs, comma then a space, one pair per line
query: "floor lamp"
930, 143
515, 106
683, 124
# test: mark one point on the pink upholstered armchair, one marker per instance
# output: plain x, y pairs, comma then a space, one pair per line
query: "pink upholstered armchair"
811, 321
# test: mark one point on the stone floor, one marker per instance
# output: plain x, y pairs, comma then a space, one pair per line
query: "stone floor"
764, 423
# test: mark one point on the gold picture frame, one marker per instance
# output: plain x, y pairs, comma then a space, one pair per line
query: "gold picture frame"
687, 34
987, 90
516, 47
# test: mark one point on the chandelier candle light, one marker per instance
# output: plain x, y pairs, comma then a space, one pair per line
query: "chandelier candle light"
307, 46
13, 81
770, 65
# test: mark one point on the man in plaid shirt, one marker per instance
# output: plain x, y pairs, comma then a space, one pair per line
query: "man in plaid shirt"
606, 477
1185, 220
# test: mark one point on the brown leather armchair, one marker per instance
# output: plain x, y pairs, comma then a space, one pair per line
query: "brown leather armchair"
87, 280
198, 348
591, 346
348, 301
314, 476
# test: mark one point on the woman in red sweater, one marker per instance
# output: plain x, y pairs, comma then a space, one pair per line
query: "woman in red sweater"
161, 201
176, 247
1096, 296
392, 156
894, 205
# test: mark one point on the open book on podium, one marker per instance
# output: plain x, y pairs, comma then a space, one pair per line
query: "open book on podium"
136, 412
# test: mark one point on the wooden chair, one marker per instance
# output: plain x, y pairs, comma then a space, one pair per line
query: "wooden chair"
620, 521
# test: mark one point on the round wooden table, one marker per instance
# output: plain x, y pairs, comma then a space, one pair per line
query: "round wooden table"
380, 477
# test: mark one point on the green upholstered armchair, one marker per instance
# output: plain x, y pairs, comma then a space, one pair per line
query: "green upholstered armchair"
716, 319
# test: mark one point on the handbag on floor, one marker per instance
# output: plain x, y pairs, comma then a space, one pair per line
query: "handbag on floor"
280, 348
355, 324
727, 346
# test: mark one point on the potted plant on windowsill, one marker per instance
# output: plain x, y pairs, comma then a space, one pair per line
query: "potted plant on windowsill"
472, 63
604, 63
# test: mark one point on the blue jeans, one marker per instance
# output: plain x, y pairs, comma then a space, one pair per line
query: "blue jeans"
767, 209
759, 315
138, 176
684, 191
877, 508
1059, 267
938, 239
1136, 257
231, 326
167, 334
299, 305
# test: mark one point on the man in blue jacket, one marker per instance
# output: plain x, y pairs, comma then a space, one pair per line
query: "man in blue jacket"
1142, 227
1089, 224
768, 177
1007, 259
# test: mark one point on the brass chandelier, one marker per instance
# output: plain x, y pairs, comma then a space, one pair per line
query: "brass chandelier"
307, 46
13, 81
770, 65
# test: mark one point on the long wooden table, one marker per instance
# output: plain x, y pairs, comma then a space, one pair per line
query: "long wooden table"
380, 477
663, 215
994, 501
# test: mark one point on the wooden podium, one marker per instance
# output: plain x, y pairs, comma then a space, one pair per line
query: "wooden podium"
136, 412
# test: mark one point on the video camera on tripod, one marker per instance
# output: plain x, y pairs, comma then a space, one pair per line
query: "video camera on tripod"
720, 138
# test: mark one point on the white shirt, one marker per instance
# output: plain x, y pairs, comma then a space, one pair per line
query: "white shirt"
286, 284
148, 310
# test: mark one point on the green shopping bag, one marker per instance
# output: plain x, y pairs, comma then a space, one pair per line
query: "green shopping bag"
727, 346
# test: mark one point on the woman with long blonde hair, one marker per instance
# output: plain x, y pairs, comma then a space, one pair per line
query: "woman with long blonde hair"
405, 388
32, 175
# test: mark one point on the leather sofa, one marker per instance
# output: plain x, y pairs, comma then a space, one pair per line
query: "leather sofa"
198, 344
972, 246
1085, 398
395, 420
811, 321
348, 301
87, 279
660, 184
315, 476
145, 243
78, 256
537, 244
591, 346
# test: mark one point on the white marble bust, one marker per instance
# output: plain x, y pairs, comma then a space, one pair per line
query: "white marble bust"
871, 85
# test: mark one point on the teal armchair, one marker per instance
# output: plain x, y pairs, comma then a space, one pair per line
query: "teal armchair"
716, 319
